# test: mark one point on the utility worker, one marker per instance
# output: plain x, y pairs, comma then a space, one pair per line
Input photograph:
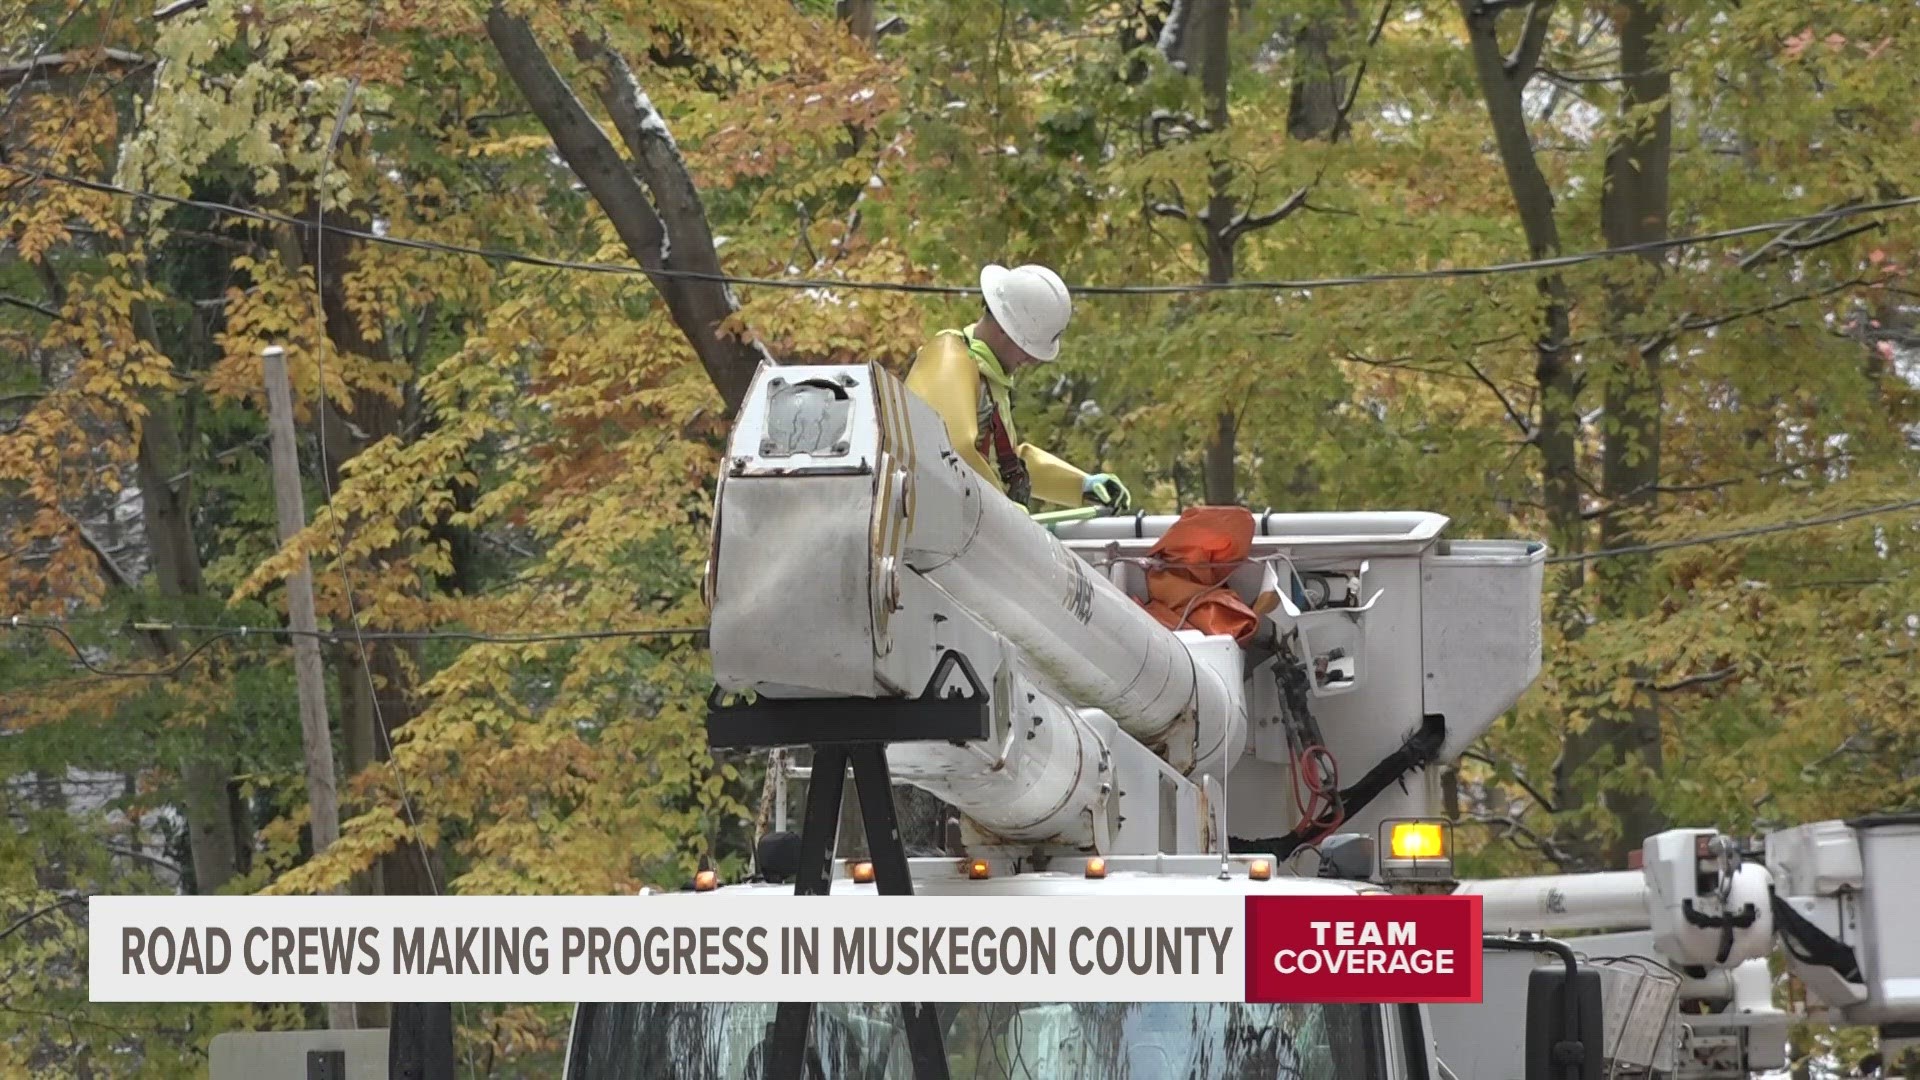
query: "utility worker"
966, 375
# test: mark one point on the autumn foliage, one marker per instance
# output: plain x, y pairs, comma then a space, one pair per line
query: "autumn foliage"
523, 449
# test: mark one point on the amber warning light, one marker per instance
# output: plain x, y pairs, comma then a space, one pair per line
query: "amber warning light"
1416, 850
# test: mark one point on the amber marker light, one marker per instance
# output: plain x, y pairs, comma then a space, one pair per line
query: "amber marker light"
1096, 867
977, 869
863, 872
1260, 869
705, 881
1417, 840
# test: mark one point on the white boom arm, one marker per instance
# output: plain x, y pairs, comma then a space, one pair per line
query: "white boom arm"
1832, 896
854, 552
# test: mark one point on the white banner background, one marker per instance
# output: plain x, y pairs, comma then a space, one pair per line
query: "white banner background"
1220, 975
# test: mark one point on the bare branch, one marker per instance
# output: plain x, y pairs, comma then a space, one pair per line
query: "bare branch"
1519, 420
152, 860
1518, 778
1565, 77
1512, 829
1766, 252
1691, 324
178, 7
1400, 363
1702, 679
1716, 485
1244, 224
30, 305
1728, 672
99, 551
1360, 73
1182, 125
674, 233
1533, 38
1837, 583
45, 66
1835, 237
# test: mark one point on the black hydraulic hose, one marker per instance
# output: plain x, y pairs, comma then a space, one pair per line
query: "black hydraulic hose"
1574, 1059
1417, 751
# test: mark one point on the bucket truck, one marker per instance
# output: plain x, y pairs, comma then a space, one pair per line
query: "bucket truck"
872, 598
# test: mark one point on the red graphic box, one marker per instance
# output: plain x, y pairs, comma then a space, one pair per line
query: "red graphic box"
1366, 948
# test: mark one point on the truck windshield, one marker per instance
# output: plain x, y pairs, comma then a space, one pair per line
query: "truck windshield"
988, 1041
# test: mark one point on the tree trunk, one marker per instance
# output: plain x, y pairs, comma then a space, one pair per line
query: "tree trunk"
215, 831
1319, 83
1633, 211
376, 678
651, 199
1503, 76
1502, 81
859, 17
1314, 111
1222, 481
1316, 102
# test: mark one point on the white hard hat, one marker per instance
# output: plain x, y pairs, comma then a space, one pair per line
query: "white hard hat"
1031, 304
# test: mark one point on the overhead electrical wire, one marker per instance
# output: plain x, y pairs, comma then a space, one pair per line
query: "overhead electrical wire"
221, 633
1248, 285
1737, 534
445, 635
224, 633
80, 654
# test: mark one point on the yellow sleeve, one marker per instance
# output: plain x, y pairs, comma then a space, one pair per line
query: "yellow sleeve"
944, 376
1054, 480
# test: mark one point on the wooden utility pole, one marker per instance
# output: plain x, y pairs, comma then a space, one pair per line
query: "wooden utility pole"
315, 738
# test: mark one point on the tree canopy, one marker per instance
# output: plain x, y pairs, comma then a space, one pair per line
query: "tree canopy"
491, 235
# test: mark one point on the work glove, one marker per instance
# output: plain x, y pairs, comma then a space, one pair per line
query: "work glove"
1106, 490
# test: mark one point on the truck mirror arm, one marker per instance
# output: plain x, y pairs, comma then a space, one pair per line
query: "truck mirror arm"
1569, 1052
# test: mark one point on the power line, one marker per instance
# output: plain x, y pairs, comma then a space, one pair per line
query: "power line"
1738, 534
118, 673
223, 633
448, 635
1269, 285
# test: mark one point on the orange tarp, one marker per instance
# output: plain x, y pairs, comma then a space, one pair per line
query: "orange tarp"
1193, 561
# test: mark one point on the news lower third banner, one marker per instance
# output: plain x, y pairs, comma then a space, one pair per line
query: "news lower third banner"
863, 948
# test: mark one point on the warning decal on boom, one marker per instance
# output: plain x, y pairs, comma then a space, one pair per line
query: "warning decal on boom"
1079, 591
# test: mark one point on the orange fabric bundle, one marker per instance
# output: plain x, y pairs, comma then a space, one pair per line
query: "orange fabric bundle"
1200, 552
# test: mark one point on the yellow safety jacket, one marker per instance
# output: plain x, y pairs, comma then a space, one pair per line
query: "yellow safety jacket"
959, 376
